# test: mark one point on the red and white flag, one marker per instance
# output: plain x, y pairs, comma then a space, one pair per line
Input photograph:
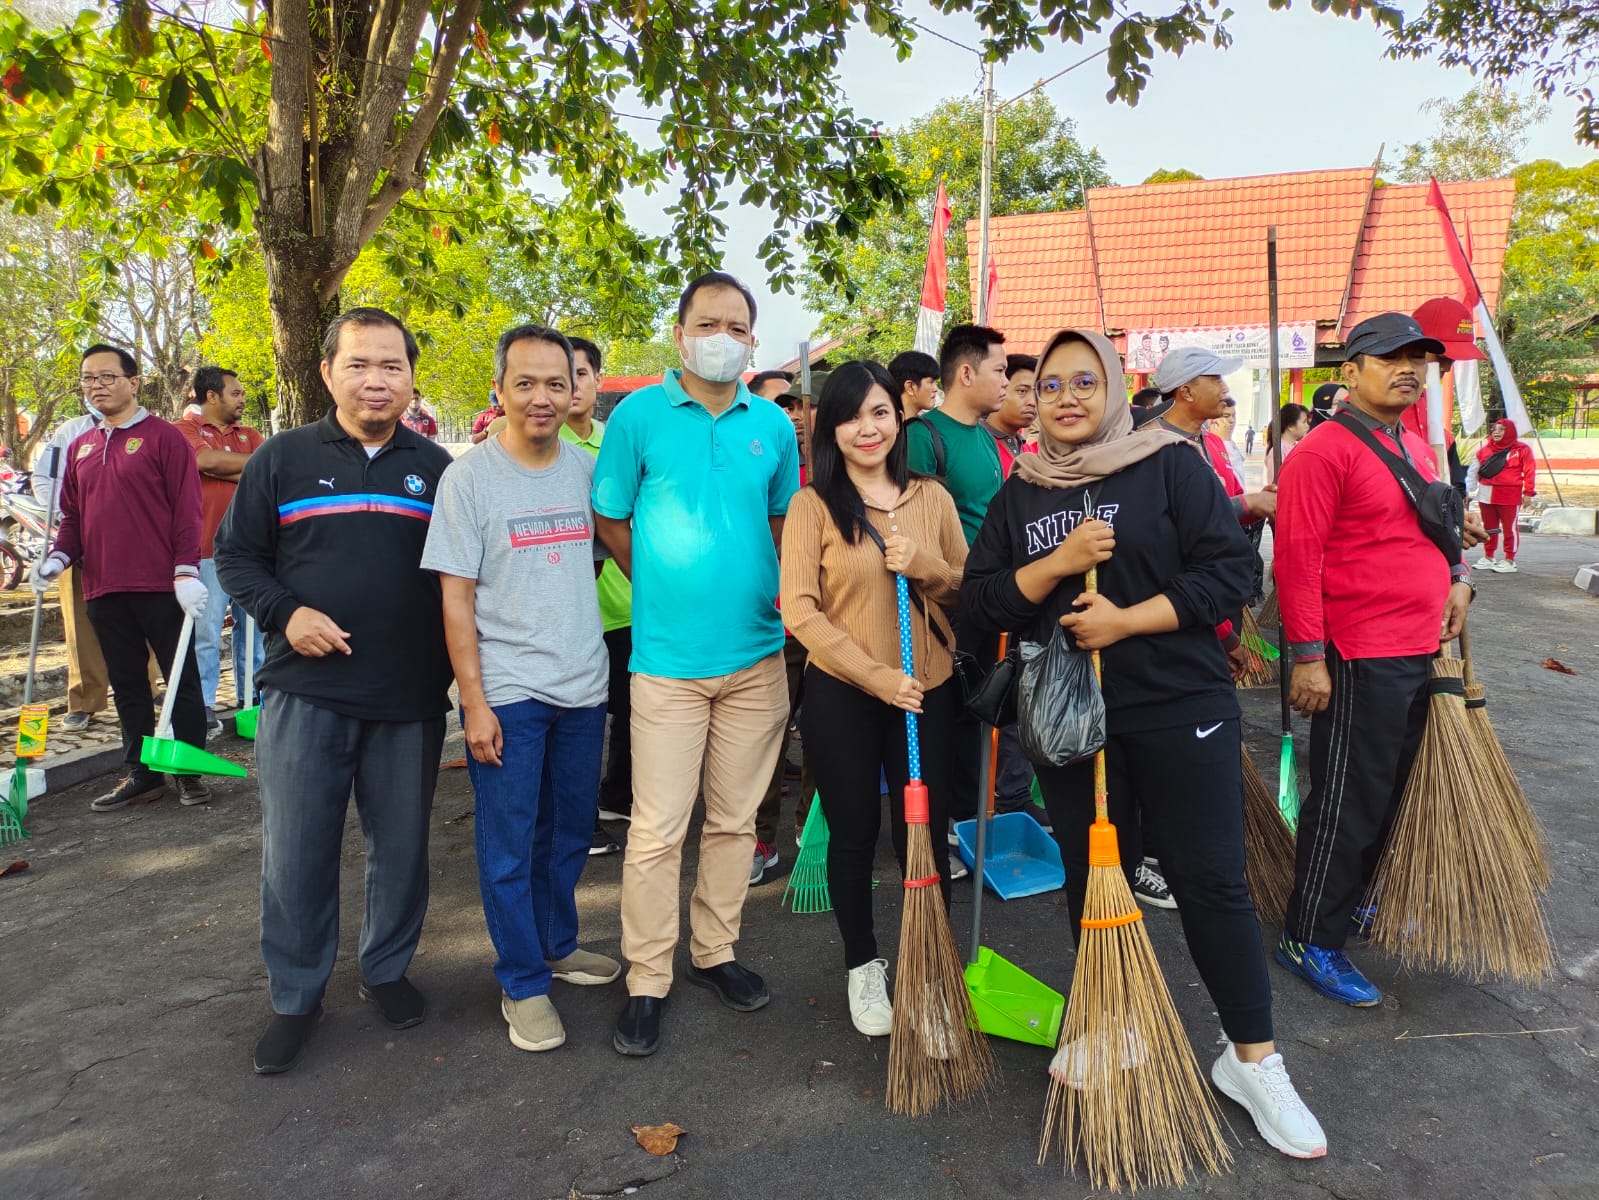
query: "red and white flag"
991, 292
935, 280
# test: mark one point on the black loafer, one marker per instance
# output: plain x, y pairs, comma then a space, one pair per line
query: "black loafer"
740, 988
400, 1003
638, 1029
283, 1040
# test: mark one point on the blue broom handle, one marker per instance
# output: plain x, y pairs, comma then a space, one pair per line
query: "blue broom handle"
907, 662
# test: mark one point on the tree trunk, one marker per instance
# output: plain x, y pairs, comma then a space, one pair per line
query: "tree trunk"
298, 319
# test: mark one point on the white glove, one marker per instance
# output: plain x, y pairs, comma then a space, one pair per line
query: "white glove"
45, 572
192, 595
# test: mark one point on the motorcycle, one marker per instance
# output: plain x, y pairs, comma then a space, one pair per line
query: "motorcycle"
23, 537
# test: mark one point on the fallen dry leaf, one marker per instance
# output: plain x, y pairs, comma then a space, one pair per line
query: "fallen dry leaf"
16, 868
659, 1140
455, 764
1554, 664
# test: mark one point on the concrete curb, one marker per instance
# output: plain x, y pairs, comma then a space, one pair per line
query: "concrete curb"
1587, 579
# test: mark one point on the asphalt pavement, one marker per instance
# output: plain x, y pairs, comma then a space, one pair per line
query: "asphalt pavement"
132, 991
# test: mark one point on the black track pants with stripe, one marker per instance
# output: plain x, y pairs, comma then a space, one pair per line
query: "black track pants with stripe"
1361, 749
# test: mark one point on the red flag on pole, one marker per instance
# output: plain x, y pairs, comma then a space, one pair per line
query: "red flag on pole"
1470, 294
935, 279
991, 297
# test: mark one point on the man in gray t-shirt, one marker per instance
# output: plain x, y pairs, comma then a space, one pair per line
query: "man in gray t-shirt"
512, 540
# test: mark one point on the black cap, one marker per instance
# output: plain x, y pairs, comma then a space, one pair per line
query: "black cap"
1387, 332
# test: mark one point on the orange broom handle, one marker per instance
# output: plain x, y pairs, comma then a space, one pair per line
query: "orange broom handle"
1102, 848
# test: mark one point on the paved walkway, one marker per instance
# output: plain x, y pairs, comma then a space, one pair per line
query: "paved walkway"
131, 993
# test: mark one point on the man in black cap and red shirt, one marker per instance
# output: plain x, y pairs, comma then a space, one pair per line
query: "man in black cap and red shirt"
1364, 614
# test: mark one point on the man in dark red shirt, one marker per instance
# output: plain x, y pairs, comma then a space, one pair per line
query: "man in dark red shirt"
1366, 598
222, 445
480, 424
130, 517
417, 419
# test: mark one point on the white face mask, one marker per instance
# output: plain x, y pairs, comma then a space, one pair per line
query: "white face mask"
720, 358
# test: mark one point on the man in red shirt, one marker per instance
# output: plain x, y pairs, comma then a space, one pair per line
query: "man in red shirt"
130, 517
418, 420
1366, 598
221, 448
480, 424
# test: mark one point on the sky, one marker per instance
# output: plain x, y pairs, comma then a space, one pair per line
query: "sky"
1297, 91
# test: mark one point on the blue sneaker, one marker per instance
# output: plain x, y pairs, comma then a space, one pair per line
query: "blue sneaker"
1328, 971
1360, 921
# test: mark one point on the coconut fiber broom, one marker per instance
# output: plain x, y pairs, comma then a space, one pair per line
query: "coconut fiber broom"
1495, 769
1268, 847
936, 1055
1453, 889
1125, 1092
1263, 656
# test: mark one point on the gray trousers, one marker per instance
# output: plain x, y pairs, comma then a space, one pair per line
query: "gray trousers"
308, 760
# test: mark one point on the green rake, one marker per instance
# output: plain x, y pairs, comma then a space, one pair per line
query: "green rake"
807, 882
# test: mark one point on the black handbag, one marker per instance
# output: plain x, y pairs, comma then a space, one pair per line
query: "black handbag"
988, 693
1439, 509
1493, 464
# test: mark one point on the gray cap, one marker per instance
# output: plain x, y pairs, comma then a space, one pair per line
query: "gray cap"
1188, 363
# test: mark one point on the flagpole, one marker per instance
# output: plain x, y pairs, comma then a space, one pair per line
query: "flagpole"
985, 192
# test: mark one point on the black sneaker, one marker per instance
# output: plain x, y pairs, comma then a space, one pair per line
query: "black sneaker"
1149, 885
400, 1003
603, 843
638, 1028
283, 1041
139, 788
192, 790
740, 988
76, 722
615, 810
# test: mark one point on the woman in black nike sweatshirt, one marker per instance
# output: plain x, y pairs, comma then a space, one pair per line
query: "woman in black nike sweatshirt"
1173, 563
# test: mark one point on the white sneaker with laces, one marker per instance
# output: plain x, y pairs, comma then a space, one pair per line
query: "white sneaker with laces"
1265, 1090
1074, 1062
1506, 566
1483, 564
869, 1005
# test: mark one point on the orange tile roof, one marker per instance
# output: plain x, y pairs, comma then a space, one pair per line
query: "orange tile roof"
1402, 260
1179, 255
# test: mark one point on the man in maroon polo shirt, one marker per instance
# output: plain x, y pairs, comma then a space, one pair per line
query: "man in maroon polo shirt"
130, 517
1366, 598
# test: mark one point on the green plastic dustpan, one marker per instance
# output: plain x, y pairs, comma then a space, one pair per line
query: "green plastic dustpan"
1288, 785
244, 720
165, 753
1010, 1003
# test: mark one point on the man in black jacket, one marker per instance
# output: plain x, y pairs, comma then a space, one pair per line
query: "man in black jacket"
323, 545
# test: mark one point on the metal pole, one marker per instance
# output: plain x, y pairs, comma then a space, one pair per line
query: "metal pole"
980, 301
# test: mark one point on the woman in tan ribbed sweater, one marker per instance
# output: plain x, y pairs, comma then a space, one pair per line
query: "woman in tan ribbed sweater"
861, 520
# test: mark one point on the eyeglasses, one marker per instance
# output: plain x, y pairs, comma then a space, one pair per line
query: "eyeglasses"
105, 379
1081, 385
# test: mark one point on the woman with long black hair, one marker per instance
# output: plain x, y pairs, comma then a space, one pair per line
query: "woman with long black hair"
862, 519
1173, 563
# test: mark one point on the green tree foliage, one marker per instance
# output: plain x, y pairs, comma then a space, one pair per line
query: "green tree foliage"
1479, 136
1180, 175
1553, 45
1039, 166
1550, 302
39, 268
318, 132
628, 356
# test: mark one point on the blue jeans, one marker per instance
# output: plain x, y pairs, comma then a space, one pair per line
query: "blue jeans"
208, 638
535, 820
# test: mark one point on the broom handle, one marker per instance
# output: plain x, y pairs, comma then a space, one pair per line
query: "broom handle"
1465, 655
163, 729
247, 699
913, 746
1101, 809
1283, 680
38, 597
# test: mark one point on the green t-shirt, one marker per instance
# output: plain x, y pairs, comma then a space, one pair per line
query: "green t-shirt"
971, 465
615, 592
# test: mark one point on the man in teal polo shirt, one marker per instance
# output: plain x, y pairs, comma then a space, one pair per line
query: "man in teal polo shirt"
584, 430
690, 490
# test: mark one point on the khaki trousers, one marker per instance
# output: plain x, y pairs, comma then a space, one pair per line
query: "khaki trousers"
726, 730
87, 682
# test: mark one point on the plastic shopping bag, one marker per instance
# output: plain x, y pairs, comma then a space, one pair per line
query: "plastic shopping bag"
1059, 709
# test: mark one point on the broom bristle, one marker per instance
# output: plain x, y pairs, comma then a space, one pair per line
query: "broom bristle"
1453, 890
1268, 847
1501, 777
1262, 671
1143, 1114
1269, 617
936, 1054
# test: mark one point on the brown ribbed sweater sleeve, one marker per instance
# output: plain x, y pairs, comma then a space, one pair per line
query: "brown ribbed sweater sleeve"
838, 598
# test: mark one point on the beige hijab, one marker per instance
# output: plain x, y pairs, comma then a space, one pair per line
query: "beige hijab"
1115, 444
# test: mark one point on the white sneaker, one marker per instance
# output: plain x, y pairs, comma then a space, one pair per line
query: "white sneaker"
957, 869
869, 1006
1506, 566
1074, 1061
1483, 564
1265, 1090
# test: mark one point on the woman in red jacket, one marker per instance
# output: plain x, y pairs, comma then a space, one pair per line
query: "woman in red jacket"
1506, 475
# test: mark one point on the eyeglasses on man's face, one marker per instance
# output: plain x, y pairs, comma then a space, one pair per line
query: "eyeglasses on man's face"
104, 379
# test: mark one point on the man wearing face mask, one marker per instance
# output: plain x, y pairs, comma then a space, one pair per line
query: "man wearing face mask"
690, 491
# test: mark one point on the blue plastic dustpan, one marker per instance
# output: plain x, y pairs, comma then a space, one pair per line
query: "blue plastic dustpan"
1022, 859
